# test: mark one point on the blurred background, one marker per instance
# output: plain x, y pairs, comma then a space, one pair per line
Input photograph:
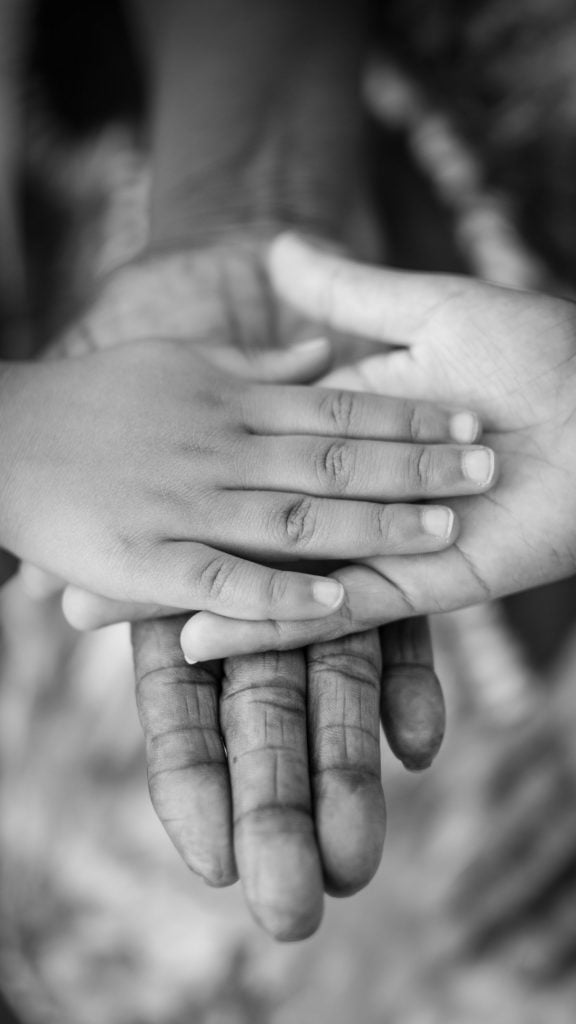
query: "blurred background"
471, 111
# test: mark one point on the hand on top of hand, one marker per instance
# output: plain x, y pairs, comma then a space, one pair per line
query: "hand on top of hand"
266, 767
508, 355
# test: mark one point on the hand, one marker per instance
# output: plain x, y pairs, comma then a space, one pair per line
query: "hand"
508, 355
318, 820
202, 467
269, 766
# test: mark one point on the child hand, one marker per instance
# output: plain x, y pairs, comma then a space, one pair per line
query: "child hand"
144, 472
510, 356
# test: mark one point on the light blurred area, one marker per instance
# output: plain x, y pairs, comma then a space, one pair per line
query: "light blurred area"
472, 916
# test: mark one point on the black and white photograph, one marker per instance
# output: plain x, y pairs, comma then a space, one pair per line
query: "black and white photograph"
287, 511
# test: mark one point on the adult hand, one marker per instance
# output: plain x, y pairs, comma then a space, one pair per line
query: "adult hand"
297, 803
510, 356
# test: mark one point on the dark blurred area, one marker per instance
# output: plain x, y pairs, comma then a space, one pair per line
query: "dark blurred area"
471, 108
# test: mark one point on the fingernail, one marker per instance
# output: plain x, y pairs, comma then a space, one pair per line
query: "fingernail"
329, 593
478, 466
438, 521
190, 661
464, 427
312, 345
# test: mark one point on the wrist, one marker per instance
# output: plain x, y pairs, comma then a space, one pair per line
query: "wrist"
256, 118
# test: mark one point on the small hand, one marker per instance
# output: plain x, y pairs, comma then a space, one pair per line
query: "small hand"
510, 356
204, 469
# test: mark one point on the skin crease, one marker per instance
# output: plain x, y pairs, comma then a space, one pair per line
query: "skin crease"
290, 844
470, 343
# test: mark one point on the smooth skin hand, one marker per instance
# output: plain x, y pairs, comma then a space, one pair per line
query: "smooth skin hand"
508, 355
267, 767
159, 472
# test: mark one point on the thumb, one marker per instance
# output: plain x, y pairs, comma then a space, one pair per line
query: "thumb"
393, 306
298, 364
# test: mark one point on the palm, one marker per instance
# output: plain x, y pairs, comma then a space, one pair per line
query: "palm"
512, 358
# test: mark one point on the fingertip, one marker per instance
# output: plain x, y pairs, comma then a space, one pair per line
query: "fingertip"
77, 608
413, 715
441, 523
480, 467
351, 825
283, 884
328, 593
465, 427
221, 876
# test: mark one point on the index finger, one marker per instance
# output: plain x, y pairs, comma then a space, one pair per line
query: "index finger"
186, 759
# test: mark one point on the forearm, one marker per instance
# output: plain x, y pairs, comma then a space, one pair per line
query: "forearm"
255, 113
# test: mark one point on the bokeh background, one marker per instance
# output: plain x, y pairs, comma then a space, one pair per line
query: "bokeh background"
471, 108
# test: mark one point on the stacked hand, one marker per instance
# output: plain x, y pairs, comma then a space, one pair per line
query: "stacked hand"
510, 356
264, 766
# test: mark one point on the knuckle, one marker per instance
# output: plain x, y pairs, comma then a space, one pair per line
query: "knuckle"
414, 421
277, 589
336, 465
420, 469
299, 522
339, 409
217, 578
383, 515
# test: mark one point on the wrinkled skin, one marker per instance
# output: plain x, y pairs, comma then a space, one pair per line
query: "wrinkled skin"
268, 766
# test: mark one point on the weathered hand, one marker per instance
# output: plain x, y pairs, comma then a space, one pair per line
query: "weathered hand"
265, 766
509, 355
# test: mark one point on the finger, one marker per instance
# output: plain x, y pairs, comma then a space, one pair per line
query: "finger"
84, 610
276, 526
344, 743
333, 412
373, 470
187, 769
371, 600
411, 702
299, 363
189, 575
387, 305
263, 714
379, 591
37, 583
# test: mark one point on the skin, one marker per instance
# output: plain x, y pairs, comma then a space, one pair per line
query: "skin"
467, 342
297, 807
216, 474
229, 164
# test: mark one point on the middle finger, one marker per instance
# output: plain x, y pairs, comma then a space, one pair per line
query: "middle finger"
373, 470
263, 716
